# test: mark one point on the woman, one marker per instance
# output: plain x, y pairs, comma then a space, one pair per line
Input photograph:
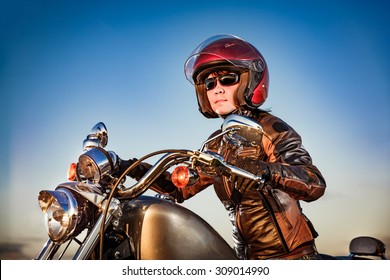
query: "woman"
231, 77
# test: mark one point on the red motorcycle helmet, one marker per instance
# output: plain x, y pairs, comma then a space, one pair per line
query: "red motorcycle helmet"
229, 52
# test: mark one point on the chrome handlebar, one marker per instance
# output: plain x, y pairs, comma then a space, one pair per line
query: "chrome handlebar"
196, 158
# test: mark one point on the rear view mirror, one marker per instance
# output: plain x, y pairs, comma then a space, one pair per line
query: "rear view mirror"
367, 246
243, 129
98, 137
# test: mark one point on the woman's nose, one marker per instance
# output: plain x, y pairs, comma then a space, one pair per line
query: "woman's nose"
219, 88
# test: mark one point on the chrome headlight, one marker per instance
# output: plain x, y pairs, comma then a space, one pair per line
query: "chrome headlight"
61, 213
95, 163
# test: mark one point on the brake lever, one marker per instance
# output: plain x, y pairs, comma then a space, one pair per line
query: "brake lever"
211, 159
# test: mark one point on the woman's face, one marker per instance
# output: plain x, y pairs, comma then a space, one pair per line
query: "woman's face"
221, 97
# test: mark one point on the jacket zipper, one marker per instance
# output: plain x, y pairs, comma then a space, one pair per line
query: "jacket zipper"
272, 214
281, 209
239, 229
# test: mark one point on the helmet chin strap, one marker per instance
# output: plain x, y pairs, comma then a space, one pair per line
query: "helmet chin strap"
238, 111
228, 114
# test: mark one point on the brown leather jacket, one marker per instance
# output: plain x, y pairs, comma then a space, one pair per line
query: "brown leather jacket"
268, 223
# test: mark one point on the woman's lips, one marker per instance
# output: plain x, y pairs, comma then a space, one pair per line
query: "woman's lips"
220, 100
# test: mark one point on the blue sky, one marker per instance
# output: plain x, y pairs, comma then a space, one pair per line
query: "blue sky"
65, 66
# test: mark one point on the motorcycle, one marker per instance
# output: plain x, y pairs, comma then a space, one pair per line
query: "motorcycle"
96, 215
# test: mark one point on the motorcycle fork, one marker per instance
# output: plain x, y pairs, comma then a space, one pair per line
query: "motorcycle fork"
92, 239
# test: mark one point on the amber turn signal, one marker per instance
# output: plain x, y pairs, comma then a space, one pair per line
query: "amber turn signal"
180, 176
72, 172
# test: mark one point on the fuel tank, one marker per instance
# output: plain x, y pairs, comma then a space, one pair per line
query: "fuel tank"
162, 230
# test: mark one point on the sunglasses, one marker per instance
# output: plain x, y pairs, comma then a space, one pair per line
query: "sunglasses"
224, 79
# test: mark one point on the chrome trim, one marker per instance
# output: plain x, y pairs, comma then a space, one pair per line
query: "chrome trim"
91, 192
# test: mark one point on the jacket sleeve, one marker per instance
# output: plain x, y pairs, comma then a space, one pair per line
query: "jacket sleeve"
290, 165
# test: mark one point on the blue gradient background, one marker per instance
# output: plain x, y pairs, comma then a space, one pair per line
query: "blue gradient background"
65, 65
